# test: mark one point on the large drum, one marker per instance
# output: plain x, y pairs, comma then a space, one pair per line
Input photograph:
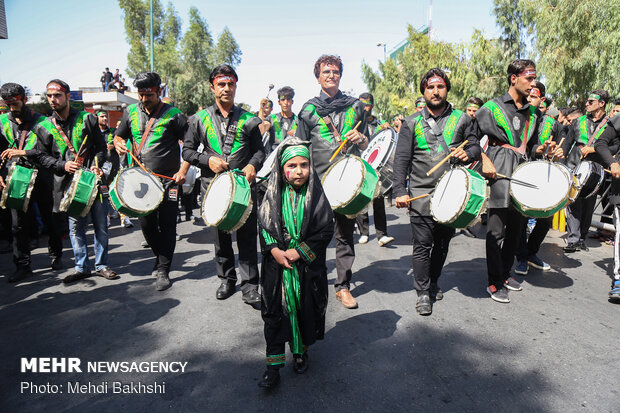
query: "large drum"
555, 185
228, 201
19, 184
350, 184
79, 198
460, 196
135, 192
380, 155
590, 176
265, 171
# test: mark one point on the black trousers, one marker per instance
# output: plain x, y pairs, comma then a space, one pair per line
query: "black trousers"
160, 231
579, 219
25, 225
430, 249
246, 244
378, 211
504, 228
345, 251
531, 246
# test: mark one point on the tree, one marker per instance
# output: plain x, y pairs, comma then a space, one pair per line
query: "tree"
184, 61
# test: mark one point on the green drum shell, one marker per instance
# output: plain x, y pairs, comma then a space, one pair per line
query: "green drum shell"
542, 212
474, 204
81, 194
20, 183
365, 191
239, 206
117, 202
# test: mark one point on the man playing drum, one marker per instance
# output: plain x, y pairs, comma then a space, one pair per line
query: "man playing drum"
373, 125
18, 140
528, 246
424, 139
579, 145
608, 147
512, 125
232, 140
154, 129
69, 141
326, 121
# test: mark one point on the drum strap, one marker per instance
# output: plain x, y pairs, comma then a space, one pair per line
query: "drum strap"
332, 128
22, 139
147, 130
521, 149
69, 144
438, 133
231, 131
595, 135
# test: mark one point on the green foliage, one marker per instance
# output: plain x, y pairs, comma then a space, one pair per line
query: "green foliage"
184, 61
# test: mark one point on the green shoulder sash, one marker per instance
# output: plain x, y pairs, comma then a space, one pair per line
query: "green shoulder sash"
76, 132
499, 117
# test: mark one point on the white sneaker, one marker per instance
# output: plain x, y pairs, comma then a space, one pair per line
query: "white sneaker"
127, 222
384, 240
363, 239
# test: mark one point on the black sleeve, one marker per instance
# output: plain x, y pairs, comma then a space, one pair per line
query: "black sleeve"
569, 138
602, 144
98, 143
194, 136
533, 143
402, 158
124, 128
470, 132
302, 131
256, 144
4, 144
42, 152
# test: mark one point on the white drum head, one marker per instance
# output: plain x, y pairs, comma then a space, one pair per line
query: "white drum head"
139, 190
379, 149
342, 182
267, 165
218, 199
450, 194
582, 172
552, 181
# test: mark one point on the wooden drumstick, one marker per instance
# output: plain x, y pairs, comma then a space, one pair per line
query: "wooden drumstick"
444, 160
415, 198
344, 143
560, 145
97, 166
144, 169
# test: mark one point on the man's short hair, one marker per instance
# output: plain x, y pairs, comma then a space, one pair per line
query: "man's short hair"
475, 101
574, 110
145, 80
12, 90
616, 102
223, 70
603, 94
432, 73
327, 60
286, 92
543, 90
517, 66
367, 96
62, 84
563, 111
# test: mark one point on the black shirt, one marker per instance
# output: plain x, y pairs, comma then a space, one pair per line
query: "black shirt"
28, 122
574, 141
607, 146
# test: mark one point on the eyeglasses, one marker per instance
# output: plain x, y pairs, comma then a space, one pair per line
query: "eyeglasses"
591, 101
330, 72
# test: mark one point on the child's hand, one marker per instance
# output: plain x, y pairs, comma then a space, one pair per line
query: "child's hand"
292, 255
281, 258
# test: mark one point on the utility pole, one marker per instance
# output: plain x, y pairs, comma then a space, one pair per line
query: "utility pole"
384, 54
151, 35
430, 19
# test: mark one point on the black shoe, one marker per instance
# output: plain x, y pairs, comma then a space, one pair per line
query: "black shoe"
19, 274
226, 290
435, 292
57, 264
251, 297
75, 276
423, 306
300, 364
583, 246
163, 281
571, 247
483, 219
270, 379
467, 232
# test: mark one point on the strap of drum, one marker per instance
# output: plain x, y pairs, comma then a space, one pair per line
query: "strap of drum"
229, 139
147, 130
62, 133
22, 139
438, 133
600, 125
332, 128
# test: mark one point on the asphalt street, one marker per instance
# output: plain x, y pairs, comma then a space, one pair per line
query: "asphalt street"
554, 348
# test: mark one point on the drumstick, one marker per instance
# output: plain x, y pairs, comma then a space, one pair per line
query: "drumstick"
517, 181
434, 168
415, 198
343, 143
97, 166
560, 145
145, 170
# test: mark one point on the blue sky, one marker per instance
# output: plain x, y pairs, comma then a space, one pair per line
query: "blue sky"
280, 40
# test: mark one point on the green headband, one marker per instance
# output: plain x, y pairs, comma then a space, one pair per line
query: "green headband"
366, 101
473, 105
4, 107
101, 111
420, 104
594, 96
293, 151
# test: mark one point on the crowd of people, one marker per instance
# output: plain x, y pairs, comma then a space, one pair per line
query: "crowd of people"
112, 81
290, 216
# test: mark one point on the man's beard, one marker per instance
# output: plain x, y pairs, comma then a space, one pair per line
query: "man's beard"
19, 113
433, 106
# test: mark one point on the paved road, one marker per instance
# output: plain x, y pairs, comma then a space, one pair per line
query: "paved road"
554, 348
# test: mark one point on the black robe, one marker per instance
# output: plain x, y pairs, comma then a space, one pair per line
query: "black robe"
316, 232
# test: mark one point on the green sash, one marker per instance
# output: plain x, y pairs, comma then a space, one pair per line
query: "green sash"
76, 133
278, 127
546, 132
324, 131
212, 137
158, 129
7, 128
583, 130
503, 123
448, 130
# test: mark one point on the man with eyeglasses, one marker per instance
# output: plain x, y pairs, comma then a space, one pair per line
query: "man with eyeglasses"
326, 121
579, 144
285, 122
